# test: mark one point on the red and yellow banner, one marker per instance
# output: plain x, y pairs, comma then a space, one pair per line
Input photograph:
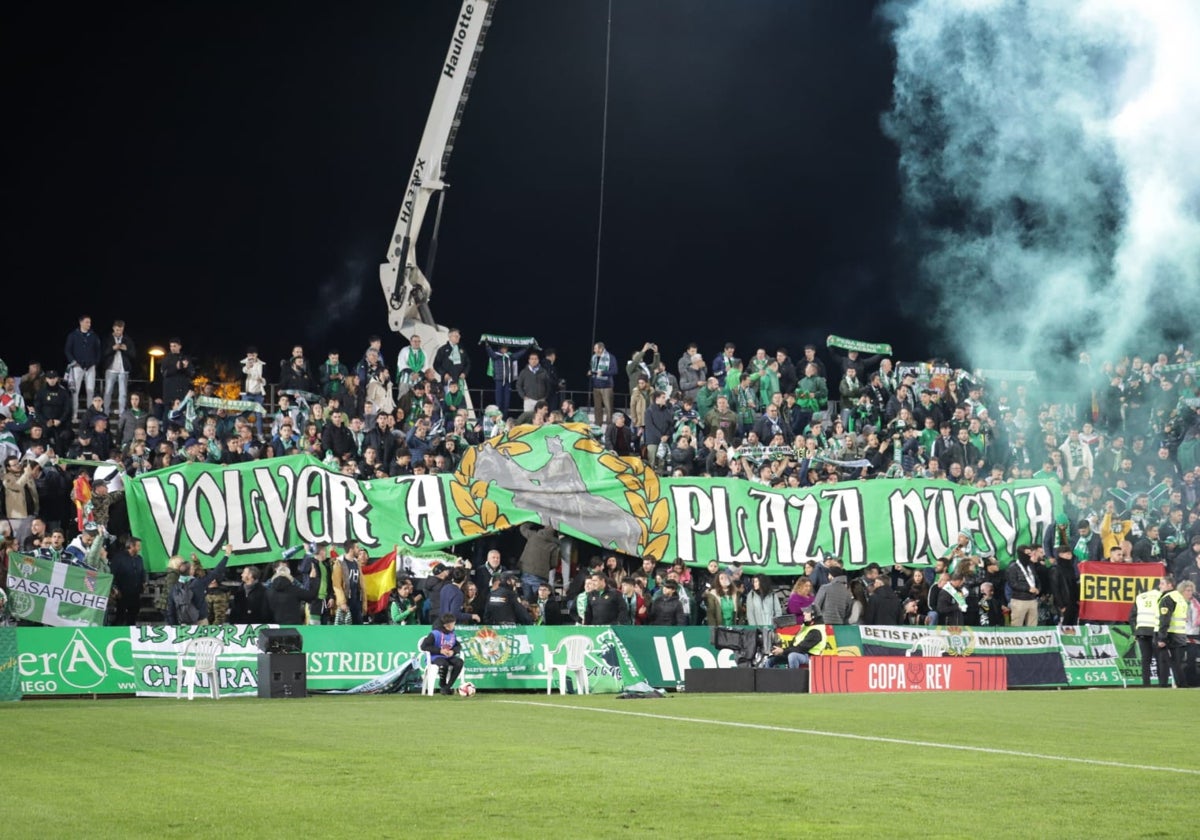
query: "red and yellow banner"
1107, 590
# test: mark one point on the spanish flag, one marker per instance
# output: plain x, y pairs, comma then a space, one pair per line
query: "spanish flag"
81, 493
379, 579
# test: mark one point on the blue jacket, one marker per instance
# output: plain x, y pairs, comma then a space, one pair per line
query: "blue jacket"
83, 348
451, 601
438, 639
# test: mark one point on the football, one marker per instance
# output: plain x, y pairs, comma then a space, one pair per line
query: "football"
467, 689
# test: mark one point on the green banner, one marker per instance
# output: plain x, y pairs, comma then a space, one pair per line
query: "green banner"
664, 653
56, 594
859, 346
347, 659
1090, 656
561, 477
59, 661
236, 406
10, 675
155, 652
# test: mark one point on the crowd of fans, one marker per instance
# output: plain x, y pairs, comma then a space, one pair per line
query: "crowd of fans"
1125, 447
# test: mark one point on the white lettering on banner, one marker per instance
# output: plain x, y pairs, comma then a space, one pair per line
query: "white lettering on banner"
724, 532
674, 660
937, 676
925, 523
1039, 508
426, 509
325, 507
693, 515
885, 676
167, 517
277, 506
205, 539
239, 540
51, 592
849, 529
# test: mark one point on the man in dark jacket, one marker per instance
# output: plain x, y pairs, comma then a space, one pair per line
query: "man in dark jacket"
177, 373
129, 581
336, 438
539, 556
533, 383
286, 596
431, 586
83, 352
604, 606
503, 606
249, 604
660, 423
883, 604
952, 602
667, 610
53, 409
451, 598
1064, 585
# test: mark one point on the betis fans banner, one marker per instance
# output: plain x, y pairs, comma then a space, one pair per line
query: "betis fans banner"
1107, 590
559, 476
1090, 655
57, 594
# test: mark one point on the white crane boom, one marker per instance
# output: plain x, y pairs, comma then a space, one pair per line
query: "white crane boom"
405, 286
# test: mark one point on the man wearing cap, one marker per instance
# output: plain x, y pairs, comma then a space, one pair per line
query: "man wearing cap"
503, 605
667, 609
808, 642
1064, 585
1171, 638
604, 606
432, 588
1144, 620
53, 408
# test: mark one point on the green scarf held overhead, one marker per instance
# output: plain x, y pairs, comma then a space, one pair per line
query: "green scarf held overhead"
506, 341
859, 346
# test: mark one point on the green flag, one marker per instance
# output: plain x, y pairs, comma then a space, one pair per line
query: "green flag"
57, 594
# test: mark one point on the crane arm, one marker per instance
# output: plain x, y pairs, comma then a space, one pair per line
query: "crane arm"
405, 287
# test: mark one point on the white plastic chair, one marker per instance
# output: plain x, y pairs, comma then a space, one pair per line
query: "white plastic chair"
429, 674
577, 648
931, 644
204, 653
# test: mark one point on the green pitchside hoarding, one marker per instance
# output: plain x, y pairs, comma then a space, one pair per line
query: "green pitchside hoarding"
560, 477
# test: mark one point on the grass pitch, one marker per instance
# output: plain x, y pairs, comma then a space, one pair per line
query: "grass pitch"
508, 765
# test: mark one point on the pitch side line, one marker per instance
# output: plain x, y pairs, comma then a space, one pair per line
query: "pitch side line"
872, 738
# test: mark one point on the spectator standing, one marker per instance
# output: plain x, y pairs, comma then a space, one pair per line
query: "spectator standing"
451, 361
249, 604
601, 377
534, 383
834, 601
1022, 579
118, 360
604, 606
177, 374
83, 351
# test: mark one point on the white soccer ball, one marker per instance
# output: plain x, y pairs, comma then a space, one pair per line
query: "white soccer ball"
467, 689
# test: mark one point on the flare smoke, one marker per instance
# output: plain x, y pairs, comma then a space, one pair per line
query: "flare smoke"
1048, 156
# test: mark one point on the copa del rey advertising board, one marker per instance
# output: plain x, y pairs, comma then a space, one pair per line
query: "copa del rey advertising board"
851, 674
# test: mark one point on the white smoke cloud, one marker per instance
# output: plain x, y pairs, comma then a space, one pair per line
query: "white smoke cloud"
1051, 173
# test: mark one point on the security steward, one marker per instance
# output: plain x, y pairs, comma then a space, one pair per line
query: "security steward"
1144, 620
809, 641
1172, 630
503, 605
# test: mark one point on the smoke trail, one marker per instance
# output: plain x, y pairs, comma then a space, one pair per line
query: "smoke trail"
338, 298
1052, 183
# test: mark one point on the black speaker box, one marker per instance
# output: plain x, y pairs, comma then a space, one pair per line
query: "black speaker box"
740, 680
280, 640
282, 675
781, 680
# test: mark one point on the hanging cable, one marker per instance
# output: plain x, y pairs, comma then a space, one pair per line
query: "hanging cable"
603, 164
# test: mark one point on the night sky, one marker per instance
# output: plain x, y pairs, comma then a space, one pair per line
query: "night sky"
231, 173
